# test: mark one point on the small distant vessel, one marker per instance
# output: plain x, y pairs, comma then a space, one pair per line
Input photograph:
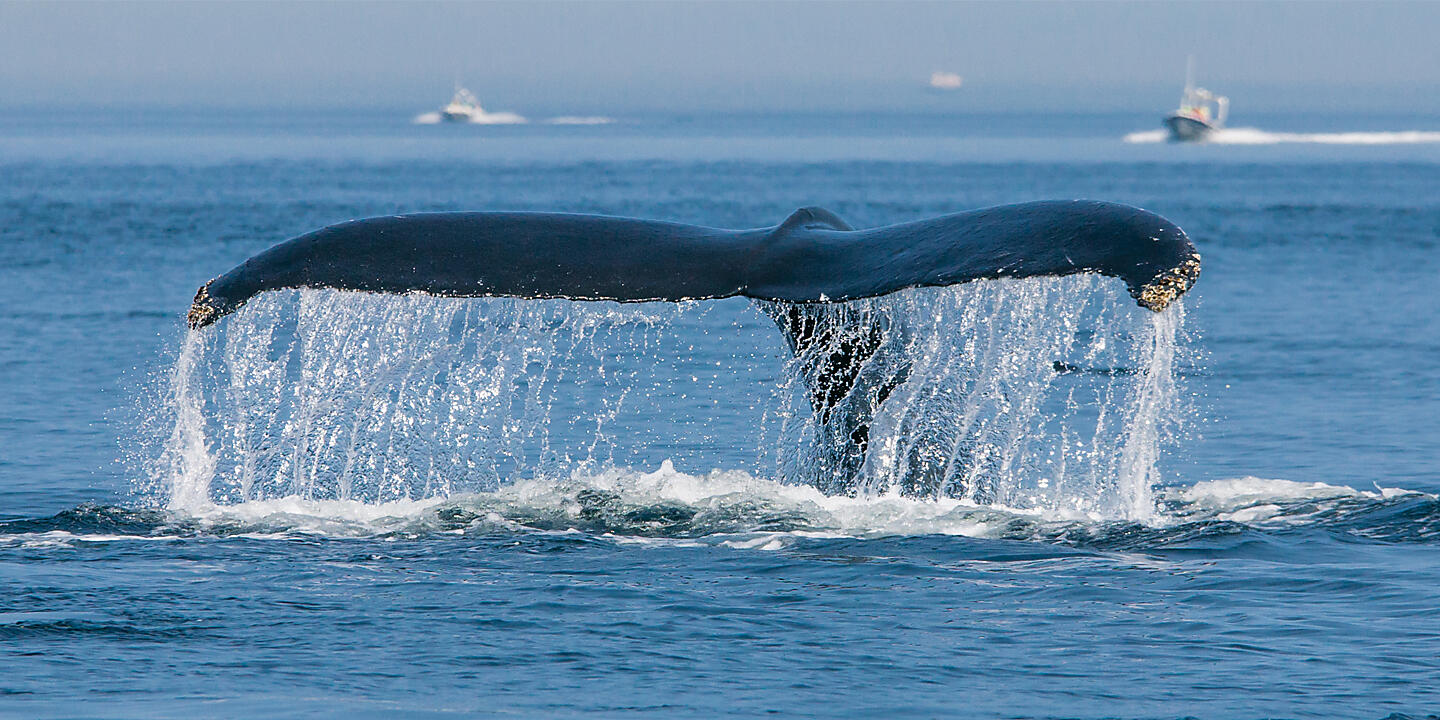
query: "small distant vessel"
941, 80
1201, 112
463, 107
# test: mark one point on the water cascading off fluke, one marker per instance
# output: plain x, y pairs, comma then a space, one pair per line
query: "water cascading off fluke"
334, 395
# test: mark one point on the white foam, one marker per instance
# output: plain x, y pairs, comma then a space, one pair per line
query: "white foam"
726, 508
66, 539
1249, 491
765, 541
1257, 501
737, 499
1256, 136
1147, 136
373, 515
580, 120
481, 118
497, 118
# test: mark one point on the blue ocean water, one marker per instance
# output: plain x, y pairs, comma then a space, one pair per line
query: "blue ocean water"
334, 504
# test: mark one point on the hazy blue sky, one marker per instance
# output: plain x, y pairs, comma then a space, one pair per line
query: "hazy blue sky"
600, 57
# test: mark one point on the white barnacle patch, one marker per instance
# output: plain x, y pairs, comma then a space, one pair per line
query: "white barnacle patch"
1160, 292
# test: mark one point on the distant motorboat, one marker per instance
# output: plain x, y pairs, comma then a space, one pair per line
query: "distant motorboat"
1201, 112
465, 108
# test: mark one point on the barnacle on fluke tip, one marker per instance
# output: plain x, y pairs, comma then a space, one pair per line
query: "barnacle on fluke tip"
1160, 292
202, 312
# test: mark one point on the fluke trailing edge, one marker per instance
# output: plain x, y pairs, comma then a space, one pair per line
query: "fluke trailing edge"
812, 257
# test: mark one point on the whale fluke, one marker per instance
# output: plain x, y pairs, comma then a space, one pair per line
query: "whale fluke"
812, 257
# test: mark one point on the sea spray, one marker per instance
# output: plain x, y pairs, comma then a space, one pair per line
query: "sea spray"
1047, 394
1153, 413
187, 456
328, 395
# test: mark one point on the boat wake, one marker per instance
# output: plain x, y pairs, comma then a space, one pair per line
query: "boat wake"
477, 118
506, 118
580, 120
1255, 136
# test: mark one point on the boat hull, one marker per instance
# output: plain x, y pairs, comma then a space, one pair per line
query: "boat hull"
1187, 129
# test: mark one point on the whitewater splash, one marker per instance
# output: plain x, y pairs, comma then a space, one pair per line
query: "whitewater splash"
1255, 136
1053, 396
736, 509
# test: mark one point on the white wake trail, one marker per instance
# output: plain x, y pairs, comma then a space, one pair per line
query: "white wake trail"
1256, 136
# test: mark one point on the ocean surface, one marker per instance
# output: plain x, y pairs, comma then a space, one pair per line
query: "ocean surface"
342, 505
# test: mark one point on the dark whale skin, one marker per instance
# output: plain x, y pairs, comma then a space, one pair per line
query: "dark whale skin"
812, 257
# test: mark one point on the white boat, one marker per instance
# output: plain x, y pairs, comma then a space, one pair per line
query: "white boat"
464, 108
1201, 112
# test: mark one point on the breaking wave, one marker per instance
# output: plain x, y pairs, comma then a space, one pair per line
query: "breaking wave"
1255, 136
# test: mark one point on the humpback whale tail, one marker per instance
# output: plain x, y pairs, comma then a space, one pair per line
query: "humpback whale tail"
800, 272
812, 257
